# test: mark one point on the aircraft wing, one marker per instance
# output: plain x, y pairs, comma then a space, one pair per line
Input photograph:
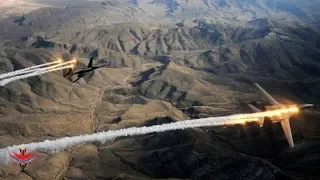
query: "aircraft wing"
266, 95
79, 76
287, 131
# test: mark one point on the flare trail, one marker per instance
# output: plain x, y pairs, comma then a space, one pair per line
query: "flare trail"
63, 143
27, 70
38, 71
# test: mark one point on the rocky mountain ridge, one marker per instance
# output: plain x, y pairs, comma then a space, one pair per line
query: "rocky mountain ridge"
167, 60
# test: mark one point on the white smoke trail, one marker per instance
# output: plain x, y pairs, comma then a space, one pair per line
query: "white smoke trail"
27, 70
63, 143
36, 73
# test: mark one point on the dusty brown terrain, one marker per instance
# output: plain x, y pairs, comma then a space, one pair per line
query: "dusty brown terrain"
164, 64
11, 8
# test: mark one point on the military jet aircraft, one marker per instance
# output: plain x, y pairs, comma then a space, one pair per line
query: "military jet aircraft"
285, 123
84, 71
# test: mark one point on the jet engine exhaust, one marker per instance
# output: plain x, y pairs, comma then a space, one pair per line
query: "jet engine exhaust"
63, 143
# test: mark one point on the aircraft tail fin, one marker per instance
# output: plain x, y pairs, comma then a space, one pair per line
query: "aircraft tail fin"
90, 62
287, 131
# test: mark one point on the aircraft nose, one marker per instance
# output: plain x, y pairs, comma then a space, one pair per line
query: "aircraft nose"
304, 106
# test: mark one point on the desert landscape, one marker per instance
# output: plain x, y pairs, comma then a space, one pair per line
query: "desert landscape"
164, 61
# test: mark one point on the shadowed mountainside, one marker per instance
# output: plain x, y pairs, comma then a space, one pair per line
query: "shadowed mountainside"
167, 61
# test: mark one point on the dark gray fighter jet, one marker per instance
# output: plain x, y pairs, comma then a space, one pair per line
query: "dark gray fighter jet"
84, 71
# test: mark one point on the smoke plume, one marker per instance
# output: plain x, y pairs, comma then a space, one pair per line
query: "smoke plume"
63, 143
27, 70
36, 72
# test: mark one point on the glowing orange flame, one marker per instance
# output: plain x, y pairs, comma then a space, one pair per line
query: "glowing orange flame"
73, 66
289, 111
74, 63
277, 114
245, 120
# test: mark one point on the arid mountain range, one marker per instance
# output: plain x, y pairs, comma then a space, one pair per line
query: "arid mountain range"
167, 60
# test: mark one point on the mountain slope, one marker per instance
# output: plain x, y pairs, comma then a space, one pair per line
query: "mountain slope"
239, 10
166, 61
84, 15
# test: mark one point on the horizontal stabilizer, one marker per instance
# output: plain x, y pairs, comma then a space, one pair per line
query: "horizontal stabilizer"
255, 109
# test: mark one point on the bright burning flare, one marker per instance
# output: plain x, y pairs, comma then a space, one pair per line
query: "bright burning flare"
284, 111
275, 115
60, 60
244, 120
74, 63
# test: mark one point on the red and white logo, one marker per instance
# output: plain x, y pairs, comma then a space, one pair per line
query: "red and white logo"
23, 158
